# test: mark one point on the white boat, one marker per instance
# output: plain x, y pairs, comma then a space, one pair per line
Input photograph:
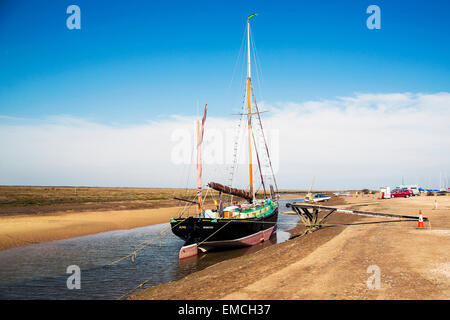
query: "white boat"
317, 197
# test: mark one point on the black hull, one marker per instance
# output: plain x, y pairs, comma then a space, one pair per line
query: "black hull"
224, 232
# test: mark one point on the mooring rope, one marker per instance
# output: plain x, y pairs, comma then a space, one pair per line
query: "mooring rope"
143, 244
140, 285
398, 227
146, 281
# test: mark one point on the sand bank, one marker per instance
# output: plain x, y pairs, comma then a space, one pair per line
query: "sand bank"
22, 230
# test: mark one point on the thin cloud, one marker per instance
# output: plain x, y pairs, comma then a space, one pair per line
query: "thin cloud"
366, 140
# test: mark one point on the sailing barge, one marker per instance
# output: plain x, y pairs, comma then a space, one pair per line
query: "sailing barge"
240, 223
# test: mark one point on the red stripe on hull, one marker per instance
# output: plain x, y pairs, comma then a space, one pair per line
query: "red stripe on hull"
242, 242
192, 250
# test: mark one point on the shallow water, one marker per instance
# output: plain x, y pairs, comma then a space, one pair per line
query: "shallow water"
38, 271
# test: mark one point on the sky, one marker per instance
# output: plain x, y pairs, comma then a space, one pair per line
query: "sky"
101, 106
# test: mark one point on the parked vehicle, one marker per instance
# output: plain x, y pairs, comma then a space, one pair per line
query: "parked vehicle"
414, 188
385, 192
401, 193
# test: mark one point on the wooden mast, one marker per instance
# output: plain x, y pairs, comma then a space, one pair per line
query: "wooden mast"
249, 116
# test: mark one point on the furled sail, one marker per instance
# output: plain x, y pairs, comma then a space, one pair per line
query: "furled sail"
233, 191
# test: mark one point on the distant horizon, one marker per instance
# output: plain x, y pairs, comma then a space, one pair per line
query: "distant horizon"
194, 188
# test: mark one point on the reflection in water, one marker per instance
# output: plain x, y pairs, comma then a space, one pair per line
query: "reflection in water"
38, 271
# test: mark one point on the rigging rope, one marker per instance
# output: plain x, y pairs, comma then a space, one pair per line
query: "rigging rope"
265, 143
140, 285
143, 245
238, 58
238, 131
257, 66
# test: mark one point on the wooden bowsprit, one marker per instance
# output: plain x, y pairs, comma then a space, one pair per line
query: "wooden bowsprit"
309, 214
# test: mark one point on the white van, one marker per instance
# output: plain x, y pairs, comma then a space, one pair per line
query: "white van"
414, 188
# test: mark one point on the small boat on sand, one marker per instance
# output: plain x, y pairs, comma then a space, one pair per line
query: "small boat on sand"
317, 197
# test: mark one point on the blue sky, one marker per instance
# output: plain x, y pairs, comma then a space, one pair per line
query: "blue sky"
99, 106
134, 61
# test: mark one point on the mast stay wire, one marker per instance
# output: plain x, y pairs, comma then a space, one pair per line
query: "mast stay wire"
238, 58
265, 143
258, 70
259, 165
